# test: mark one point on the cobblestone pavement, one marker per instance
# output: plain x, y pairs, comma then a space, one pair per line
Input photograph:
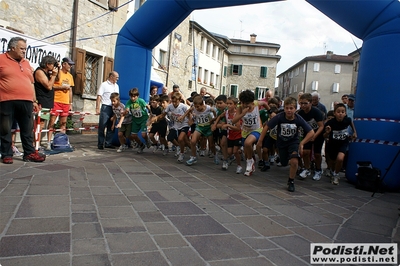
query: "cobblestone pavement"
99, 207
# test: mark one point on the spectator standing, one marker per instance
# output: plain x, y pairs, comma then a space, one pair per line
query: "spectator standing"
45, 76
153, 90
62, 97
17, 100
104, 109
316, 103
205, 94
345, 98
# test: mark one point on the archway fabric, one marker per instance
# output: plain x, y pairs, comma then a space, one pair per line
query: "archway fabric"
377, 108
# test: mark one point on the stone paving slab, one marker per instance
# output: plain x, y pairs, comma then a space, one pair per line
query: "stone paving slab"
97, 207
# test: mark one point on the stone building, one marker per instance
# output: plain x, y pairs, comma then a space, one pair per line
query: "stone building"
356, 64
193, 57
330, 75
87, 28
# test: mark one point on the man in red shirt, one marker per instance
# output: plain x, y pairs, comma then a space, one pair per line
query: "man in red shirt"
17, 100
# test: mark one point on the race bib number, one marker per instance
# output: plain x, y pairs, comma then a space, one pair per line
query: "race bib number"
313, 124
137, 113
288, 130
203, 120
249, 121
340, 134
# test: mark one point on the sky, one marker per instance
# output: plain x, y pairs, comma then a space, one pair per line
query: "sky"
297, 26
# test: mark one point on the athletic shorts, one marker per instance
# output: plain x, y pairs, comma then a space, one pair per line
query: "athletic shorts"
125, 129
139, 126
286, 153
60, 109
333, 149
316, 145
256, 134
161, 129
204, 131
268, 142
234, 143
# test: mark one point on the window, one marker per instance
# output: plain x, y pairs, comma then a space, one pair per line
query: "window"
314, 85
212, 82
296, 72
206, 77
356, 64
302, 86
264, 51
233, 90
263, 72
335, 87
216, 81
190, 37
259, 93
202, 44
162, 60
200, 75
236, 70
225, 70
236, 49
208, 47
304, 68
337, 69
316, 67
92, 68
295, 87
214, 51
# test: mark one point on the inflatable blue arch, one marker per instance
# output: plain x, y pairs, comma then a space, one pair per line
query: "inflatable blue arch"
377, 109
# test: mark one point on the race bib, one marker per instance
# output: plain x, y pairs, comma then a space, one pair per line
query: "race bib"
340, 134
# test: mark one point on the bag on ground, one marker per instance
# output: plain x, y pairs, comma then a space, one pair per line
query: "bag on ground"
61, 142
368, 177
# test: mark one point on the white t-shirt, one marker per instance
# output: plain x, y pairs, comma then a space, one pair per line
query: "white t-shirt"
105, 90
174, 113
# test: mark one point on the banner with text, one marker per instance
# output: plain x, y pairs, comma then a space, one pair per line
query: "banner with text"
36, 49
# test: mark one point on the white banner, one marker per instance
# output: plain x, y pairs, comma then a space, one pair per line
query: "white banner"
36, 49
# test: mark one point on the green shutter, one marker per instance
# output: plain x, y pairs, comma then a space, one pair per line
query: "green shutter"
240, 70
225, 70
233, 90
256, 92
263, 72
223, 90
231, 70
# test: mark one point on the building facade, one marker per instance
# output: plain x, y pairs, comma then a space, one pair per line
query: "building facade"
330, 75
86, 28
193, 57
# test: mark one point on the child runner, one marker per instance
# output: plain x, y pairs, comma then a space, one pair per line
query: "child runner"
269, 142
287, 142
124, 120
314, 117
219, 133
249, 113
138, 108
234, 134
336, 130
159, 127
204, 114
178, 133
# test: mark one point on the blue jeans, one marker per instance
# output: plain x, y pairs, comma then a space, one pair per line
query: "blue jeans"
20, 111
106, 113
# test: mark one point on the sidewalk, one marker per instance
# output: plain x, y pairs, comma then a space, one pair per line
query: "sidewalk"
100, 207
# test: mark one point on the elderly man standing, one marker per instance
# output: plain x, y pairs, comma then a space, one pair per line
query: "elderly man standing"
17, 101
104, 109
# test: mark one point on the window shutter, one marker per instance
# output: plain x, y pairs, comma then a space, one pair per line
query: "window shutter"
223, 90
80, 60
263, 72
240, 70
231, 70
113, 5
314, 85
225, 70
108, 67
337, 69
316, 67
256, 93
233, 90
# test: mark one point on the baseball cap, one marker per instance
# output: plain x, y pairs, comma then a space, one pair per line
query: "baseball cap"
68, 60
352, 97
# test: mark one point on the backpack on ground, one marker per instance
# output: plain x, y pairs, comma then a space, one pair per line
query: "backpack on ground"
61, 142
368, 177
